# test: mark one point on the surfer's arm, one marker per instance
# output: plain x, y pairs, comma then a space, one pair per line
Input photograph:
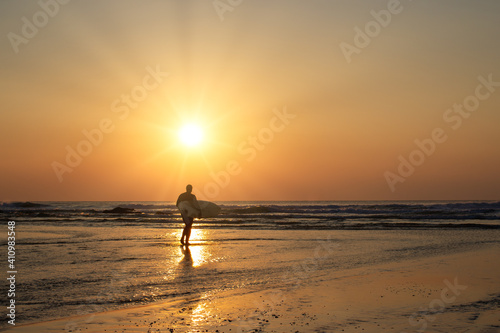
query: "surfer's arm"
196, 204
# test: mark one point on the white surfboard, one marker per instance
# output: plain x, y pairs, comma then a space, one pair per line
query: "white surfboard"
208, 209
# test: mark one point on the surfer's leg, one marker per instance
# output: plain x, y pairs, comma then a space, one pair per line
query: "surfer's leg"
184, 232
188, 233
188, 230
183, 235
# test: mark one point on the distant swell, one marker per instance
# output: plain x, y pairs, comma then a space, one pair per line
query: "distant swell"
267, 215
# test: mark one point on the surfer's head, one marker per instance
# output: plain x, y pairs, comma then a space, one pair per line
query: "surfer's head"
189, 188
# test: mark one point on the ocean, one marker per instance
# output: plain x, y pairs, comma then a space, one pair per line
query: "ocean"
75, 258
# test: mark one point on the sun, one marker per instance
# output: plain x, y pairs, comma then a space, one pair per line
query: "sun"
191, 135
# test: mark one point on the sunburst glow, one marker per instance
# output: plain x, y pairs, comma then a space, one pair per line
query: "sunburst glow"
191, 135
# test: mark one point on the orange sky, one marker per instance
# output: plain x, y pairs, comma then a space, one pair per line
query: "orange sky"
298, 100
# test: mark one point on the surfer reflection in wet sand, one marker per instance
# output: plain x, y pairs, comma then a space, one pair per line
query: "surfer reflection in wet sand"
188, 221
187, 261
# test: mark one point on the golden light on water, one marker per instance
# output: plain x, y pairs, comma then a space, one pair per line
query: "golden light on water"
197, 235
196, 254
200, 314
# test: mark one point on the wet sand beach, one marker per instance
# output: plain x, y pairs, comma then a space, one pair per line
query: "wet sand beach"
315, 281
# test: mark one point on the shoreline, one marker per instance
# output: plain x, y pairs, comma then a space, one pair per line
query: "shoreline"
453, 292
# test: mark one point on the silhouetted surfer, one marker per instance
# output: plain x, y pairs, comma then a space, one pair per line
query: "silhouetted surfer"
188, 221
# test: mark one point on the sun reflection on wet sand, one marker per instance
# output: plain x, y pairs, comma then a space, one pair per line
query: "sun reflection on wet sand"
200, 314
196, 253
197, 235
191, 257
